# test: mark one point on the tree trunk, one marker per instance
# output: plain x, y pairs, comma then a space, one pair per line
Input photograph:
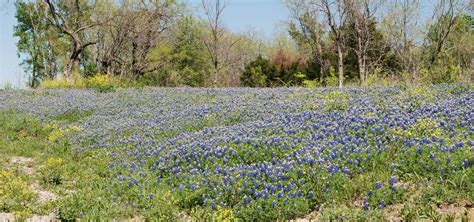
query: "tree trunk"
341, 65
33, 74
73, 62
216, 72
69, 68
360, 55
320, 61
362, 66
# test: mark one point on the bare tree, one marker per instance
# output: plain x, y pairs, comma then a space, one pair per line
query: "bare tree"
71, 18
308, 29
445, 15
240, 49
153, 20
401, 25
336, 15
218, 44
125, 44
361, 13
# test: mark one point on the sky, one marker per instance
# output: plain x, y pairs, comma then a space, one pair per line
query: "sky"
263, 16
10, 70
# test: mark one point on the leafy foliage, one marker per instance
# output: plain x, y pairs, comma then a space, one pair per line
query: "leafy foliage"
257, 72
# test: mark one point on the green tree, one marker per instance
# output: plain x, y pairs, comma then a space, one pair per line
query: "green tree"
451, 60
379, 53
40, 45
73, 19
256, 73
29, 30
188, 51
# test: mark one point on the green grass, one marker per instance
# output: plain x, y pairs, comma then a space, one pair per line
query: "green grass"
81, 180
72, 117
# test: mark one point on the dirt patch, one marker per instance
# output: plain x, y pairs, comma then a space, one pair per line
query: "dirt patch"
45, 218
21, 160
457, 210
392, 213
44, 196
9, 217
312, 217
25, 164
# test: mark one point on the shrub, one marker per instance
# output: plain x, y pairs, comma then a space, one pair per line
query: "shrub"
310, 83
101, 83
336, 100
331, 79
52, 173
6, 86
59, 84
372, 77
224, 214
14, 192
56, 133
256, 72
75, 82
97, 80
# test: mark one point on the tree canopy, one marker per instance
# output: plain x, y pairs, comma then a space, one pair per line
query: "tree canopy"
161, 42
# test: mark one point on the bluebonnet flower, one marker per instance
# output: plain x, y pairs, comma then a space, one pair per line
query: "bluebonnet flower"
274, 203
280, 194
333, 169
247, 200
381, 204
214, 205
130, 125
366, 204
419, 150
465, 163
393, 180
378, 185
132, 182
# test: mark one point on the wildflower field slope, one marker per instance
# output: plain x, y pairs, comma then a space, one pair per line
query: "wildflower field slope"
240, 154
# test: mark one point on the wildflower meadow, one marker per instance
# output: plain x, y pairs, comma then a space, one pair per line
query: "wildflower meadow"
239, 154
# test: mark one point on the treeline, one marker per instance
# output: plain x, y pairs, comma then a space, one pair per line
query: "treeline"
328, 42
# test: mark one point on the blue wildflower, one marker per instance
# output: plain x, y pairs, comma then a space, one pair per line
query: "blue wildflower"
366, 204
381, 204
393, 180
378, 185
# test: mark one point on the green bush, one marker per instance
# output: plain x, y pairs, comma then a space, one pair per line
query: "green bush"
15, 194
256, 72
52, 173
331, 79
